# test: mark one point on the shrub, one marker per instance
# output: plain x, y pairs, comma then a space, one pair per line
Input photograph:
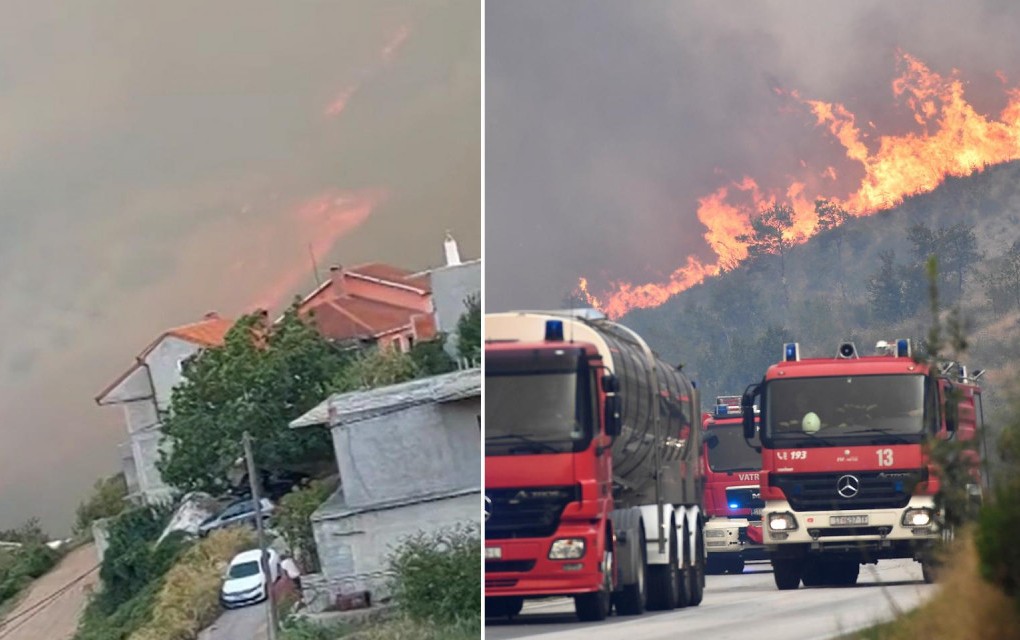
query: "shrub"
292, 520
131, 560
107, 500
24, 565
189, 598
1000, 517
436, 575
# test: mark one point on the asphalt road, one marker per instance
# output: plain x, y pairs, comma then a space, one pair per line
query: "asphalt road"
740, 607
248, 623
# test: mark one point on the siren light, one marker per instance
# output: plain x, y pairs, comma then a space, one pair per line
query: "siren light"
554, 330
791, 352
903, 348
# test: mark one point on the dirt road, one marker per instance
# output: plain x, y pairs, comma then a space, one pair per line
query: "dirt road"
51, 608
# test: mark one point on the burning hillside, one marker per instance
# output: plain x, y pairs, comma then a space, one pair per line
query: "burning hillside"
950, 138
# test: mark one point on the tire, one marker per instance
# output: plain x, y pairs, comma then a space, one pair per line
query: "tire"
847, 573
503, 607
664, 581
787, 573
595, 607
814, 573
929, 571
736, 565
633, 598
715, 565
698, 571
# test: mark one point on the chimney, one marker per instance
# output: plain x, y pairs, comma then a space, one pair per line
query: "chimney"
452, 253
336, 277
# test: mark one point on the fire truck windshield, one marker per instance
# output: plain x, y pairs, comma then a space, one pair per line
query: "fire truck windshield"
538, 409
728, 451
875, 409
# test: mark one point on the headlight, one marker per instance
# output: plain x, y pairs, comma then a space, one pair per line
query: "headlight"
567, 549
782, 521
715, 533
917, 517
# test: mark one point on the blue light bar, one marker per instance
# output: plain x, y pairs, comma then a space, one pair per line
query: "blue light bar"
554, 330
734, 505
791, 352
903, 348
721, 409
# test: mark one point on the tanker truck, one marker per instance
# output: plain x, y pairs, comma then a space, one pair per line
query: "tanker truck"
593, 485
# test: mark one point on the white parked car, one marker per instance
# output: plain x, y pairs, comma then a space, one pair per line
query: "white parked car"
245, 583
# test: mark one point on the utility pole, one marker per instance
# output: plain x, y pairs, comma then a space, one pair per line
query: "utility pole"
256, 499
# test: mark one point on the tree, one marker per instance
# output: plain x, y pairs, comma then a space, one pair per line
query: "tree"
955, 247
885, 290
831, 221
1002, 281
107, 500
767, 237
293, 520
258, 381
469, 330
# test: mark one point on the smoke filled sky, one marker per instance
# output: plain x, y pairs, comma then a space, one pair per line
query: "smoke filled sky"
606, 122
161, 160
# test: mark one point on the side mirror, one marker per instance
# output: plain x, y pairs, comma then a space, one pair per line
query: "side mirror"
747, 409
614, 421
610, 383
951, 408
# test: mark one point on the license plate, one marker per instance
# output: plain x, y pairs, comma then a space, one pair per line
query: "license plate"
493, 553
844, 521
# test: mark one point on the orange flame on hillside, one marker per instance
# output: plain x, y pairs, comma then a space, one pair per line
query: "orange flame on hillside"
954, 140
328, 217
388, 53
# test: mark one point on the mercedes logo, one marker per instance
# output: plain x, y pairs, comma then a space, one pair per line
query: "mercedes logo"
488, 508
848, 486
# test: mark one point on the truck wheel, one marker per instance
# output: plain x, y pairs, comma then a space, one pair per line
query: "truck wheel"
503, 607
632, 599
664, 581
814, 573
929, 571
592, 607
846, 573
736, 565
698, 571
787, 572
715, 566
595, 607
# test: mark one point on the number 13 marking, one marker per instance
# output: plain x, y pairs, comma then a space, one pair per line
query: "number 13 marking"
885, 458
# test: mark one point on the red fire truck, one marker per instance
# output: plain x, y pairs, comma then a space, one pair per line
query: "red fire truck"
845, 477
592, 478
732, 498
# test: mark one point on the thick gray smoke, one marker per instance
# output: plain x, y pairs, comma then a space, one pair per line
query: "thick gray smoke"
606, 121
154, 160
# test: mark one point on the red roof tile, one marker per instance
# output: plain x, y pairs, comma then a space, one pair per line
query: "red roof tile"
354, 317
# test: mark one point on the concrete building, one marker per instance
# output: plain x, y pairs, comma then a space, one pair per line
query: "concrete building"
143, 392
408, 456
452, 285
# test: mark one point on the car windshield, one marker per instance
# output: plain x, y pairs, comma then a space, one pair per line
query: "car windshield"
862, 409
538, 407
236, 509
728, 451
243, 570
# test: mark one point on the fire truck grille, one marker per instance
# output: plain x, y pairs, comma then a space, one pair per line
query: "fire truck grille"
532, 512
874, 490
509, 566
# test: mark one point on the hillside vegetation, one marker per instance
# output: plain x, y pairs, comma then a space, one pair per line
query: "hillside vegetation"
862, 281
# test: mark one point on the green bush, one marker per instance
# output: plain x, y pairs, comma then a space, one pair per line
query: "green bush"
125, 620
436, 576
1000, 517
24, 565
107, 500
296, 628
292, 519
132, 560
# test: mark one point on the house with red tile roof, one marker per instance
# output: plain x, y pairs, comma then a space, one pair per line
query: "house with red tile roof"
372, 303
143, 393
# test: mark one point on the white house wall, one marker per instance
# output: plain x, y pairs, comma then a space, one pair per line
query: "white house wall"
355, 550
422, 450
163, 365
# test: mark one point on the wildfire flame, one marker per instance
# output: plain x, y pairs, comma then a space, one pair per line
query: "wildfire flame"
954, 140
388, 53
